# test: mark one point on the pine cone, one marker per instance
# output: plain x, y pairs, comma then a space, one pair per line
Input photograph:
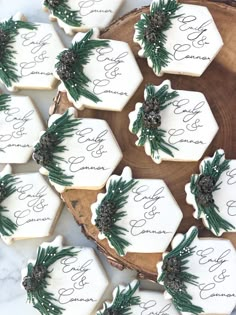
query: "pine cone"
172, 265
150, 35
52, 3
2, 192
107, 208
39, 272
172, 282
42, 157
3, 38
110, 311
68, 57
30, 283
151, 120
204, 199
158, 19
205, 183
47, 141
64, 72
103, 223
151, 104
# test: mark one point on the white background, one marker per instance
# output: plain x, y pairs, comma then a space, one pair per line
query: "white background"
14, 258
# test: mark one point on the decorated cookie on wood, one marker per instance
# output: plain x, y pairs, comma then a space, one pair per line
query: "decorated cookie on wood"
28, 54
133, 215
199, 274
212, 193
173, 125
82, 15
20, 125
63, 280
133, 301
177, 38
95, 73
29, 208
77, 153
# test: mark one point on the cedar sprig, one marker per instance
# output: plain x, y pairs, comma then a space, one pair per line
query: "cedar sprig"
175, 274
7, 188
109, 213
123, 301
71, 69
151, 32
154, 134
51, 144
61, 10
35, 282
8, 31
210, 171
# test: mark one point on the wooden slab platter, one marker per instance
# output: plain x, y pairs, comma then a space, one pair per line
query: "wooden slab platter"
218, 83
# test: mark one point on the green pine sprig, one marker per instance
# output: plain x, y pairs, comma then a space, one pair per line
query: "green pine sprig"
178, 289
117, 195
77, 82
152, 34
36, 288
61, 10
50, 144
8, 31
214, 170
123, 301
155, 136
7, 188
4, 100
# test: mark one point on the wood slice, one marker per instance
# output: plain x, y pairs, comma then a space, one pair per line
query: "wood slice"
218, 84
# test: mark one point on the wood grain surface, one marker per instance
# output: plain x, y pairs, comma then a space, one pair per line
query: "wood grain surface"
218, 83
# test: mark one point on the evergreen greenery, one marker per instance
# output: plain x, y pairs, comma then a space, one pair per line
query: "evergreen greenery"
70, 67
203, 186
149, 119
151, 32
4, 100
8, 31
50, 145
108, 213
175, 275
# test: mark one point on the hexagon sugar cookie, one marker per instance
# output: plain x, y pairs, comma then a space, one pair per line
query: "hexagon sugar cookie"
133, 215
130, 300
199, 274
20, 125
77, 153
29, 208
63, 280
173, 125
212, 193
177, 38
95, 73
28, 53
82, 15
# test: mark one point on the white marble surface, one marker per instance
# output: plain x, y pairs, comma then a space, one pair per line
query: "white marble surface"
14, 258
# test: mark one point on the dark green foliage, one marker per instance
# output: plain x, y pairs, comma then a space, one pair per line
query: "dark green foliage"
108, 213
35, 283
148, 126
8, 31
50, 144
175, 275
123, 302
71, 70
203, 186
7, 187
4, 100
61, 10
151, 31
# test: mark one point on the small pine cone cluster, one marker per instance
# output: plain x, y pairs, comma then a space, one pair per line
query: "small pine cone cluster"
110, 311
151, 115
52, 3
172, 268
67, 60
43, 154
31, 283
105, 218
157, 21
205, 185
